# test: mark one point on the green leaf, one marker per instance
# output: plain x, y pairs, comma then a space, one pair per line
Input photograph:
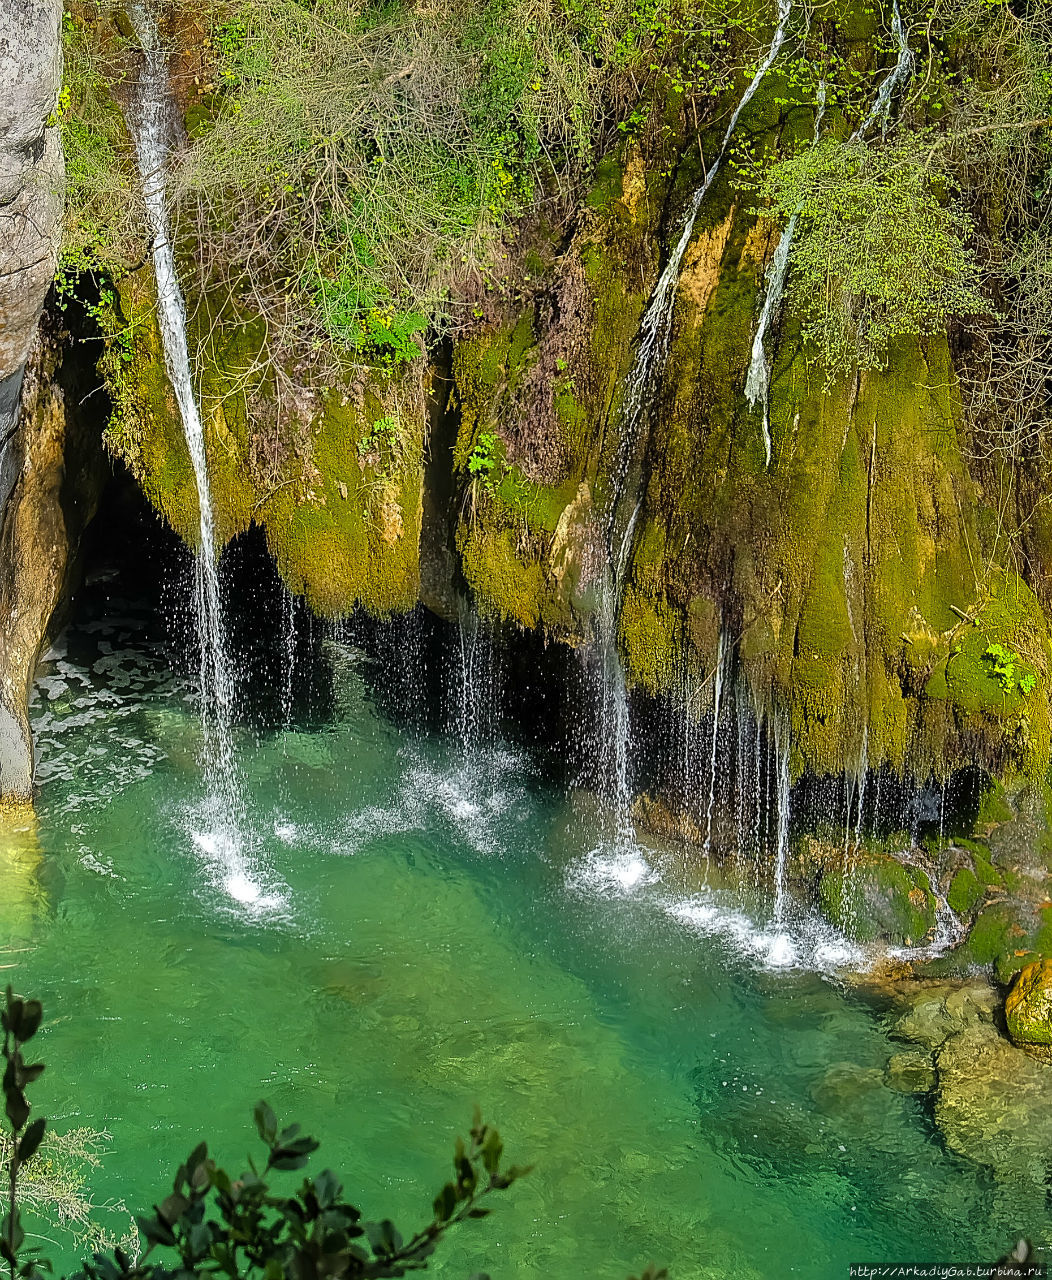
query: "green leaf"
266, 1122
492, 1149
327, 1188
155, 1231
30, 1140
445, 1203
32, 1012
172, 1208
17, 1108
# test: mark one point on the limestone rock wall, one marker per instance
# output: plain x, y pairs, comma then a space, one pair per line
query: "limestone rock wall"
31, 171
61, 470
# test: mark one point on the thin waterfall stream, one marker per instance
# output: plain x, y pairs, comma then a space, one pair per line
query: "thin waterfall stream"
880, 111
615, 719
152, 124
758, 379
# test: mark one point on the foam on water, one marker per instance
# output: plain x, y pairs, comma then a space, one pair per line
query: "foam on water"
610, 870
232, 873
797, 941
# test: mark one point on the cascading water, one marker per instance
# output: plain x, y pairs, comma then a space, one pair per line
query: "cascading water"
657, 322
477, 691
288, 666
153, 130
784, 791
717, 692
614, 715
880, 111
758, 380
615, 721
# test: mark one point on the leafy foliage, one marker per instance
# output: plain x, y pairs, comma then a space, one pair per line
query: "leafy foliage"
356, 170
355, 167
215, 1224
381, 445
1006, 668
53, 1187
880, 253
20, 1021
483, 460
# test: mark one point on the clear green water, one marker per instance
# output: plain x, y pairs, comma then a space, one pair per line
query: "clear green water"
431, 934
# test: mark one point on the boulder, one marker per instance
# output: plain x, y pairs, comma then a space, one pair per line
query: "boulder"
875, 896
31, 196
31, 187
993, 1104
1028, 1008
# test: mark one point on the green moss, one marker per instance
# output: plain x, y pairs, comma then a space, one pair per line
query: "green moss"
607, 186
651, 640
964, 892
508, 583
878, 897
993, 808
351, 534
994, 932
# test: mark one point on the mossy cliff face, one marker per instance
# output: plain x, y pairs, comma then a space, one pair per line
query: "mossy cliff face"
861, 576
333, 477
864, 577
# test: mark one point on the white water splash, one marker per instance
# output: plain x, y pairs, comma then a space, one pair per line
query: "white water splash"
615, 870
814, 945
620, 872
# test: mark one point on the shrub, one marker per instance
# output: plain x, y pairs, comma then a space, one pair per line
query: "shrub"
881, 251
212, 1223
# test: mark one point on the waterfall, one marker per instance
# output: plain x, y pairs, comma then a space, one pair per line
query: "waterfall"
758, 380
879, 112
153, 129
288, 666
783, 786
657, 322
717, 692
615, 722
477, 693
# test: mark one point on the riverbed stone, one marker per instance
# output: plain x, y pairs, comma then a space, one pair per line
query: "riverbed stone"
910, 1072
935, 1012
993, 1103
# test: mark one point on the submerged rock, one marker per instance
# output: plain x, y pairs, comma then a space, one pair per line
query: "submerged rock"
993, 1103
912, 1072
936, 1012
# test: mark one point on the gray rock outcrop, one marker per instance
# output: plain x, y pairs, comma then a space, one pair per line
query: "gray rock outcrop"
31, 194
